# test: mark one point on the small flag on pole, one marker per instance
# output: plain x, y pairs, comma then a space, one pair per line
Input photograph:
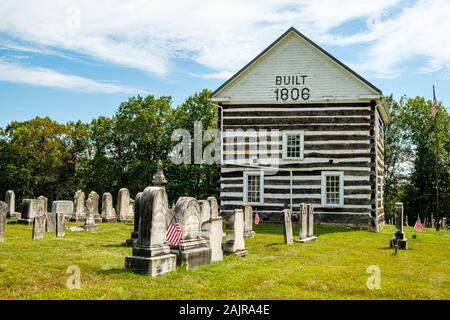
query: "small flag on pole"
435, 106
174, 233
418, 226
257, 218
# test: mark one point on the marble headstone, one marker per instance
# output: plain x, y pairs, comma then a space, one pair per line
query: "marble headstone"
135, 234
3, 208
212, 229
80, 207
399, 235
151, 254
10, 199
124, 212
234, 227
248, 220
60, 221
63, 206
50, 222
45, 202
39, 222
193, 250
89, 224
108, 211
94, 206
30, 209
287, 227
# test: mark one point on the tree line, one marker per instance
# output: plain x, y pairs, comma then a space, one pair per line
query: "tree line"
44, 157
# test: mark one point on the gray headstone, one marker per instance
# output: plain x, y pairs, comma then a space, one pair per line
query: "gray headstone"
79, 207
89, 223
3, 208
10, 199
214, 207
151, 254
60, 221
287, 227
310, 220
135, 234
205, 211
30, 209
45, 203
248, 220
187, 213
50, 223
39, 227
234, 241
108, 212
124, 211
399, 236
212, 230
63, 206
159, 180
303, 221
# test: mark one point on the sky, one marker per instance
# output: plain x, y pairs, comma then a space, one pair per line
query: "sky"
76, 60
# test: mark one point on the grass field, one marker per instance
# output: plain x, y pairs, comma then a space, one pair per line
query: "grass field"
333, 267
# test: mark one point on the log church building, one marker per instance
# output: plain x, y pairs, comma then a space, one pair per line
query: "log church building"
329, 148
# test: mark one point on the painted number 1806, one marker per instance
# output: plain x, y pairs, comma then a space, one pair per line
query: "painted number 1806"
292, 94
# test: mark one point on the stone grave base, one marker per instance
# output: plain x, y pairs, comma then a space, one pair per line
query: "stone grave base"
308, 239
193, 253
98, 219
77, 217
152, 266
125, 220
106, 220
239, 253
250, 234
402, 244
13, 215
27, 222
90, 227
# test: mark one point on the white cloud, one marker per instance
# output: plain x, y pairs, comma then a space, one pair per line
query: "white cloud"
51, 78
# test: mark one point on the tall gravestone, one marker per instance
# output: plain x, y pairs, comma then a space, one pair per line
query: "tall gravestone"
399, 237
89, 223
193, 250
306, 223
135, 234
444, 222
287, 227
3, 210
248, 220
151, 254
311, 235
50, 222
45, 203
30, 209
124, 213
39, 221
80, 207
60, 221
63, 206
108, 211
211, 227
10, 199
94, 206
234, 228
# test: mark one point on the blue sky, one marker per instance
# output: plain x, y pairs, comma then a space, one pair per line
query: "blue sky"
72, 60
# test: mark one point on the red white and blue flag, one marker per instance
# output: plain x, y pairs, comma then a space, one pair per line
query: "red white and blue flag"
257, 218
435, 107
174, 233
418, 226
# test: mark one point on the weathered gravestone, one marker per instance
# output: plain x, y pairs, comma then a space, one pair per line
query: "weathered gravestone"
80, 207
311, 235
45, 203
3, 209
108, 212
399, 237
124, 210
248, 220
30, 209
159, 180
50, 222
193, 250
60, 221
444, 222
234, 228
94, 206
63, 206
10, 199
287, 227
212, 227
151, 254
306, 223
39, 221
135, 234
89, 224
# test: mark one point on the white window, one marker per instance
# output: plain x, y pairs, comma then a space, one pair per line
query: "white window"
293, 145
254, 188
333, 189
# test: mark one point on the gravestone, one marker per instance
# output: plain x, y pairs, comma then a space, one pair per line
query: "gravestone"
10, 199
433, 223
287, 227
159, 180
306, 223
124, 213
95, 208
45, 203
212, 229
234, 228
50, 222
108, 212
151, 254
444, 222
30, 209
63, 206
89, 224
39, 221
60, 221
80, 207
193, 250
248, 220
135, 234
3, 210
399, 235
311, 236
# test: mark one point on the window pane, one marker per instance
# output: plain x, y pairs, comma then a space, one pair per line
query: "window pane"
293, 145
253, 184
332, 189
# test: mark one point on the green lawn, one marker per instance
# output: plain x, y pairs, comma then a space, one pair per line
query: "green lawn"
333, 267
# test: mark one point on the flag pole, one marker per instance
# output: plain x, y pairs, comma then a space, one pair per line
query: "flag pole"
437, 161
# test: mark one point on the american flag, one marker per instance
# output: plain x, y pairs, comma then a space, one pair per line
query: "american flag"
173, 232
418, 226
257, 218
435, 107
